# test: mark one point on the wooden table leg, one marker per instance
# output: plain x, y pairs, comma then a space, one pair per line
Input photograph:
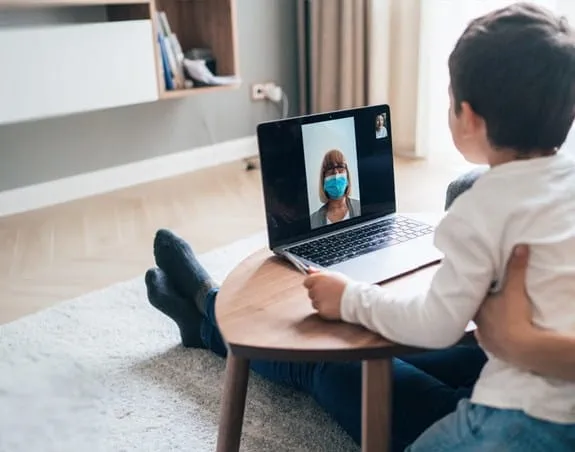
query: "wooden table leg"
376, 405
233, 404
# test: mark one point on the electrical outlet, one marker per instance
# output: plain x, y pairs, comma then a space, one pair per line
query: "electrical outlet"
273, 92
258, 91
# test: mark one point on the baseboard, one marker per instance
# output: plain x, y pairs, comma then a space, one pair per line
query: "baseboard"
76, 187
406, 151
407, 155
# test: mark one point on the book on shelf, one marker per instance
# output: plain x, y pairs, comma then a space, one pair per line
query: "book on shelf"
166, 70
195, 67
172, 54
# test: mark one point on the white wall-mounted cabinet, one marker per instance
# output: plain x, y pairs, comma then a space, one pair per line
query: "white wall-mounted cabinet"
57, 70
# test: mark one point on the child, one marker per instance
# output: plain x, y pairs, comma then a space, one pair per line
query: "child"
512, 97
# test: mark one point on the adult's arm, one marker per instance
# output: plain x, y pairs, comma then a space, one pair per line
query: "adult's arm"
505, 328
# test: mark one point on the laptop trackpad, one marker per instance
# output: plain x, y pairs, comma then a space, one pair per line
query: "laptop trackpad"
391, 262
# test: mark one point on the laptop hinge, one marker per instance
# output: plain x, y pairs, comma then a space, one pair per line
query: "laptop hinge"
279, 249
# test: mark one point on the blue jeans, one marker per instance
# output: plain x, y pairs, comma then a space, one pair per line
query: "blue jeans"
477, 428
426, 386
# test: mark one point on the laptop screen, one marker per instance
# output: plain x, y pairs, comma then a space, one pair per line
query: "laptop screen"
327, 171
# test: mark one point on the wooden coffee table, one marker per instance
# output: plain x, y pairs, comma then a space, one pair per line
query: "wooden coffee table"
263, 312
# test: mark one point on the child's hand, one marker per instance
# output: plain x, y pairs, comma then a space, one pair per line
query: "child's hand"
325, 290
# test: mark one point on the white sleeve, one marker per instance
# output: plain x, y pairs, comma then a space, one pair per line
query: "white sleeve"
437, 318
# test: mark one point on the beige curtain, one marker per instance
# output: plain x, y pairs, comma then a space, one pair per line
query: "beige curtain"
361, 52
333, 48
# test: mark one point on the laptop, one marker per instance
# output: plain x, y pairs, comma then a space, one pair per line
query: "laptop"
329, 193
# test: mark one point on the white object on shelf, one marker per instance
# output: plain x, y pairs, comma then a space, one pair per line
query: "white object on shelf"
198, 70
64, 69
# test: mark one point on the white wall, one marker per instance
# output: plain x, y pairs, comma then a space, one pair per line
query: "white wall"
569, 145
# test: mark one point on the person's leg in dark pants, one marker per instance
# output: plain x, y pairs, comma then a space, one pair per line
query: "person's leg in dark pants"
458, 366
419, 399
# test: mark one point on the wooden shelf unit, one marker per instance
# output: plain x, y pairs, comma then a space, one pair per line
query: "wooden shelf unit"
56, 3
206, 24
179, 93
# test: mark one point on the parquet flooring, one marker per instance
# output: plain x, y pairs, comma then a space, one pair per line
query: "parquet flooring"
60, 252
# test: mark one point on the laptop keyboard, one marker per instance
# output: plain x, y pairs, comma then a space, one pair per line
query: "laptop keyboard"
343, 246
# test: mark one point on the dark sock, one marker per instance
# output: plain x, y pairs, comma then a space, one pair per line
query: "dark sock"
164, 298
176, 258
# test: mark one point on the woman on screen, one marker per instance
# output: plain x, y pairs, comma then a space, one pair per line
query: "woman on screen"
334, 192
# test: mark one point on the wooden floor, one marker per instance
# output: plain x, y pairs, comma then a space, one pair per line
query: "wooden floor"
57, 253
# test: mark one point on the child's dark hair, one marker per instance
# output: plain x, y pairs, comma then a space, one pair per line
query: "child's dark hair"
516, 68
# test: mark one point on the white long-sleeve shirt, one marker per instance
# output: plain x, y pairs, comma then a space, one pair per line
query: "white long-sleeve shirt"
528, 201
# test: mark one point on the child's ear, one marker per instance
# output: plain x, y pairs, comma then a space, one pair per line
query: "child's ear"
471, 121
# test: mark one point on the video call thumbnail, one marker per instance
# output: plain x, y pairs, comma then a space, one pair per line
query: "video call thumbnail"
381, 126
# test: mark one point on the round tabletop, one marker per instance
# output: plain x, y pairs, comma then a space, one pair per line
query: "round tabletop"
263, 312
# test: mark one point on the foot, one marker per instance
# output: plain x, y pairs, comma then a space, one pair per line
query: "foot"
164, 298
176, 258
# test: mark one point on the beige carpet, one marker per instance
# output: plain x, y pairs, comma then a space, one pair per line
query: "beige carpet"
105, 372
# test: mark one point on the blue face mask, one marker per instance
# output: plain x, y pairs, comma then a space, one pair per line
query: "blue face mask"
335, 185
